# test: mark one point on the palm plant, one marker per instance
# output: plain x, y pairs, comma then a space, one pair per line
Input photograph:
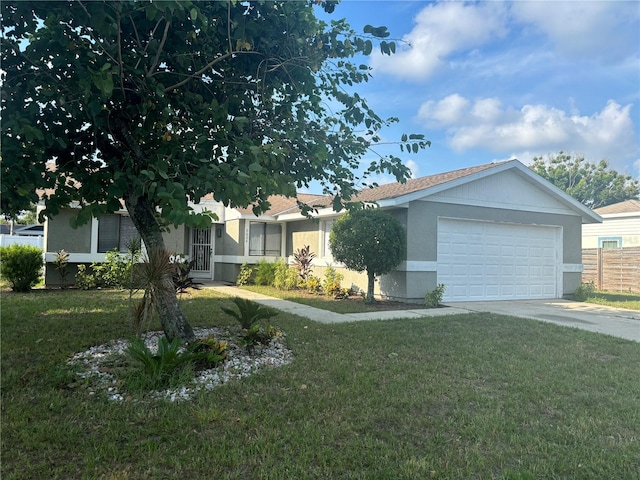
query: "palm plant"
154, 278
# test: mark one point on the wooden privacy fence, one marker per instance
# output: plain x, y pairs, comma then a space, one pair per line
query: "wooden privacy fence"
615, 269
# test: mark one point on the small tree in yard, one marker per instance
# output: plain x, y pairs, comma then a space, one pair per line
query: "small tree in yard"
371, 240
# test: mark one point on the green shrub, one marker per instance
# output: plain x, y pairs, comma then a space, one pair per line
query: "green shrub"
265, 273
208, 352
116, 271
331, 285
313, 284
433, 298
285, 277
584, 291
254, 320
21, 265
249, 312
86, 279
246, 275
261, 332
61, 264
158, 368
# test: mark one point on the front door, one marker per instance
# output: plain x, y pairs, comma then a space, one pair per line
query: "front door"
202, 253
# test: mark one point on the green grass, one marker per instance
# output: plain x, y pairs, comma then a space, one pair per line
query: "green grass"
477, 396
616, 299
351, 305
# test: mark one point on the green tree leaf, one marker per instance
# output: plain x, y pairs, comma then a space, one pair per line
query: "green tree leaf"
594, 185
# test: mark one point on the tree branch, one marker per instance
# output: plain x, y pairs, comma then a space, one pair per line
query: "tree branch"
203, 69
120, 64
156, 59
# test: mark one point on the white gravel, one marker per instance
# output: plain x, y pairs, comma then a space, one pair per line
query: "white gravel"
94, 365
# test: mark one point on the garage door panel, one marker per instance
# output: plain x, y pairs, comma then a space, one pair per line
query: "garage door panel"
495, 261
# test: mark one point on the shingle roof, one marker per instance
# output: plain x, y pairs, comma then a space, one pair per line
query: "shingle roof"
628, 206
393, 190
280, 205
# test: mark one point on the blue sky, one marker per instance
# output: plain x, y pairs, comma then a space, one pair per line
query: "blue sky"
490, 81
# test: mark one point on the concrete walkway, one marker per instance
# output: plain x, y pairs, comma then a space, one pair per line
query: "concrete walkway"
617, 322
325, 316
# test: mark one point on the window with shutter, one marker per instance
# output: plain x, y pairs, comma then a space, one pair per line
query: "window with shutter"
115, 232
265, 239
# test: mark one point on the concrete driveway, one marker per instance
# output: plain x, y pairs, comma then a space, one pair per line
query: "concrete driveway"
618, 322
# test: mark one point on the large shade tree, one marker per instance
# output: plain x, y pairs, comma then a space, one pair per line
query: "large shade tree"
368, 240
595, 185
156, 104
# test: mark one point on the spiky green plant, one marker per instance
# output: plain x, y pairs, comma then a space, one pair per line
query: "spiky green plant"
157, 367
155, 278
249, 312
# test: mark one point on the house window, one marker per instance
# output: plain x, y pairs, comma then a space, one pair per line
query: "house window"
328, 226
264, 239
610, 242
115, 232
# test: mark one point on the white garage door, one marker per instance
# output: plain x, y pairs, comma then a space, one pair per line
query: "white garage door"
497, 261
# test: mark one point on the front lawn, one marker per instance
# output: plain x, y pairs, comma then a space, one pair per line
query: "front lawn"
475, 396
616, 299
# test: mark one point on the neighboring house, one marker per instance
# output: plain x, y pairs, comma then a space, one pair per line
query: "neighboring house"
492, 232
620, 227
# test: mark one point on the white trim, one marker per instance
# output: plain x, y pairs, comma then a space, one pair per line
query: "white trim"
322, 212
94, 237
247, 232
77, 257
240, 259
559, 261
501, 206
283, 239
572, 267
610, 216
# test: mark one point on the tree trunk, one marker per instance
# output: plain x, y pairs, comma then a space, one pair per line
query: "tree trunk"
173, 321
370, 285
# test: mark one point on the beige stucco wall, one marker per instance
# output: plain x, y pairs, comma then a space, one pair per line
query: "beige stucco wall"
233, 238
176, 240
302, 233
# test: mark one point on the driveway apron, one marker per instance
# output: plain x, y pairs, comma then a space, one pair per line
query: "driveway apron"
618, 322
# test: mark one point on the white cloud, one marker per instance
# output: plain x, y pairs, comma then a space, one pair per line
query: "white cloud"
584, 28
442, 29
608, 134
448, 111
414, 167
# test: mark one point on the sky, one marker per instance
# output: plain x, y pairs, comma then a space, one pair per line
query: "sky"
491, 81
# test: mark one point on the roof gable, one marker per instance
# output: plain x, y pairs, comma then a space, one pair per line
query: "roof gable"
454, 183
395, 190
508, 190
462, 177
